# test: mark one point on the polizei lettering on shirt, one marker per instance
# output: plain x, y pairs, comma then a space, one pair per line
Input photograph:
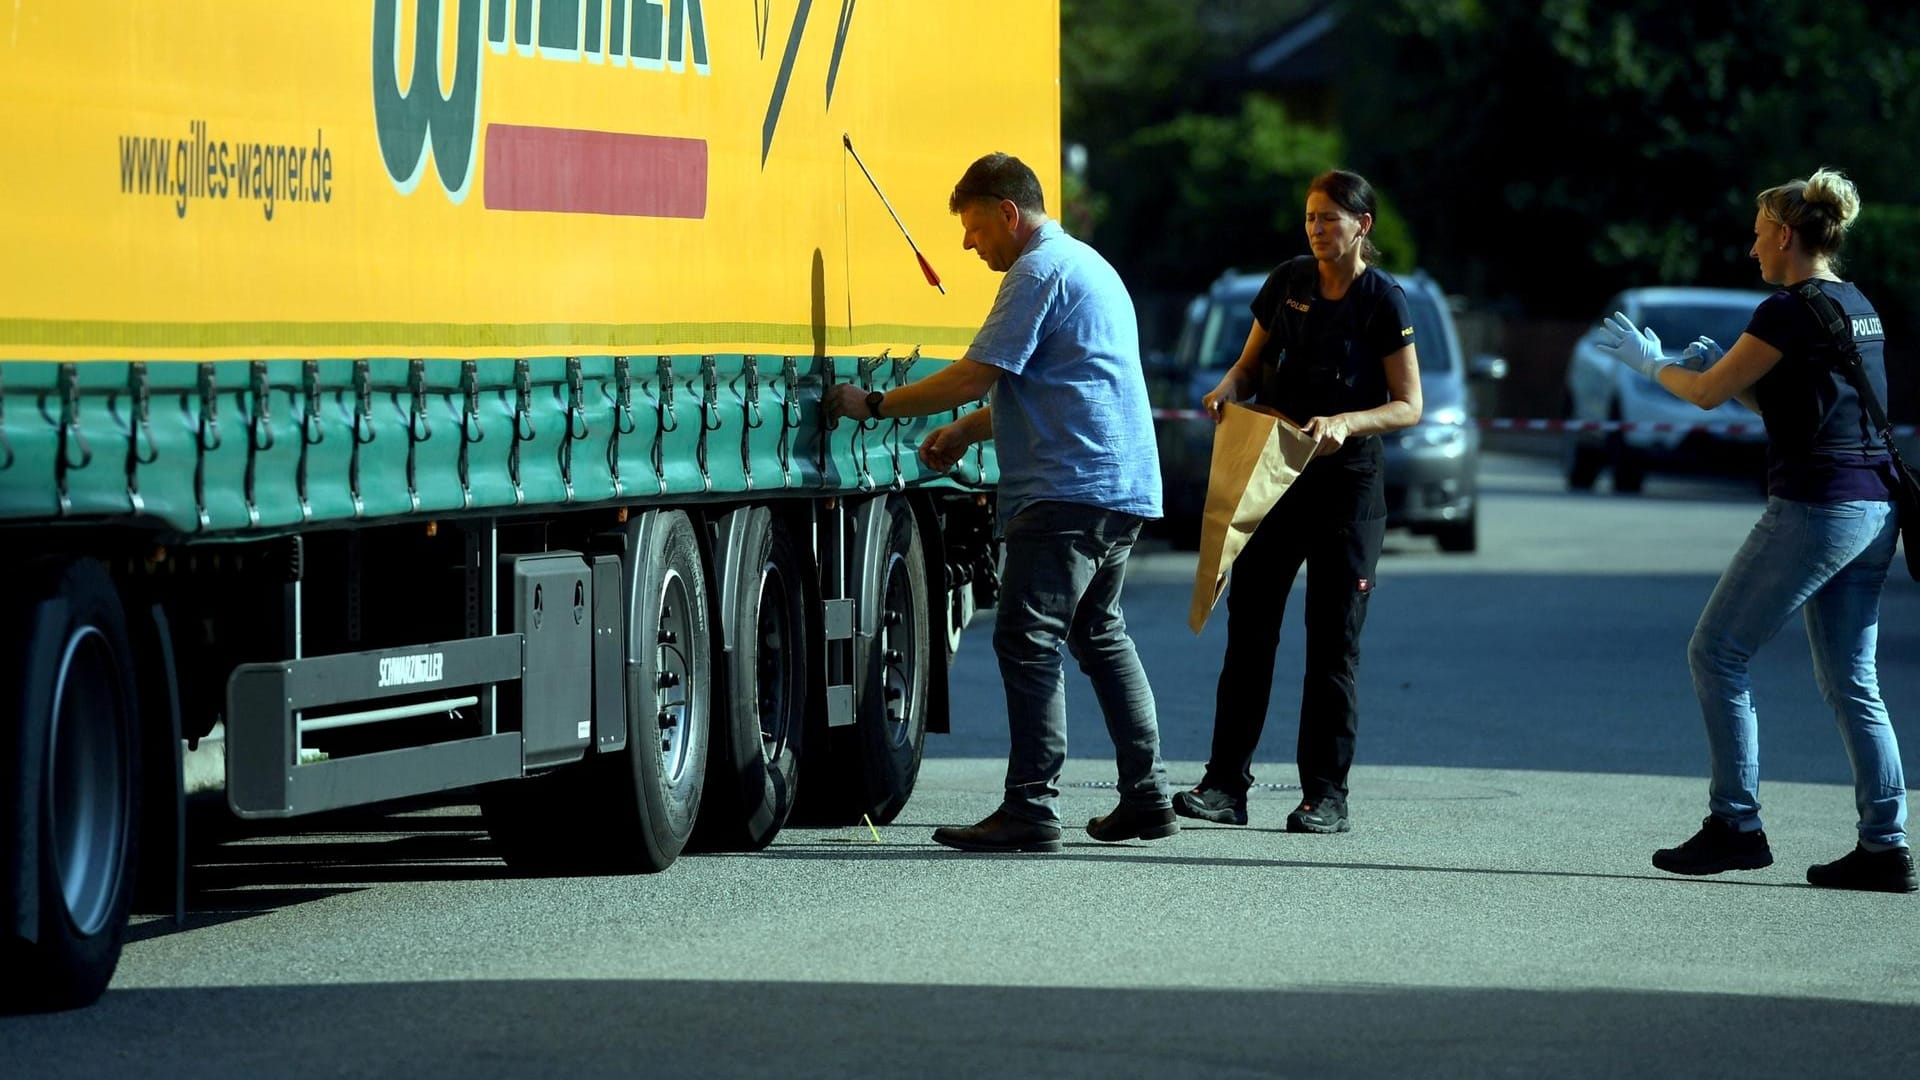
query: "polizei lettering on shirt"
407, 670
1866, 326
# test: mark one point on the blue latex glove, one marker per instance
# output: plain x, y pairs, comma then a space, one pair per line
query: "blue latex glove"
1700, 354
1638, 349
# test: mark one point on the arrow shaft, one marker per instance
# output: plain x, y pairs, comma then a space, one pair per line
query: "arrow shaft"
883, 196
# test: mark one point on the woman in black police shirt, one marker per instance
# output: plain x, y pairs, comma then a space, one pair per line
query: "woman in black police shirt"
1821, 549
1332, 344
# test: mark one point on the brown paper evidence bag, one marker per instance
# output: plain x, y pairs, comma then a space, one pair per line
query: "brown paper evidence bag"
1257, 454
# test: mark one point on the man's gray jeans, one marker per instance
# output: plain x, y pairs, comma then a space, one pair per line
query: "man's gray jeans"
1065, 564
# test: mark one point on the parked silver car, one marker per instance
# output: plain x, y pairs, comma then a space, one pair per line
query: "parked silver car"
1600, 387
1431, 467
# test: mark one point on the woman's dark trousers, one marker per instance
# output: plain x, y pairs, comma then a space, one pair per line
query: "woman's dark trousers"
1333, 519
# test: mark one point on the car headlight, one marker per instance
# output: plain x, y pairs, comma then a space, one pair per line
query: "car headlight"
1441, 427
1432, 436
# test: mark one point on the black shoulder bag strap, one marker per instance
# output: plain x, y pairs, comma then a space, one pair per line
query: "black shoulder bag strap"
1839, 330
1834, 323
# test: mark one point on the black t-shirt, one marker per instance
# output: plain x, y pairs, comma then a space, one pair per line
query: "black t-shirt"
1325, 356
1820, 445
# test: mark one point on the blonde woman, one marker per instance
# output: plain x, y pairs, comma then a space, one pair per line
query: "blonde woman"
1821, 548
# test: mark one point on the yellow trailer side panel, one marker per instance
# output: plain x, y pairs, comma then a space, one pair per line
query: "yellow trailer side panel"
218, 179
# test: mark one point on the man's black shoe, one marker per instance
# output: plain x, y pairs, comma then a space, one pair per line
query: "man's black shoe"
1000, 832
1211, 804
1716, 848
1321, 816
1130, 822
1869, 871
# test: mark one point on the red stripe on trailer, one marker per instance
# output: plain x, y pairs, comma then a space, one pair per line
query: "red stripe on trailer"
575, 171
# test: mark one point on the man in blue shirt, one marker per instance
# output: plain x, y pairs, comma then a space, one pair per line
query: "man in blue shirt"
1079, 475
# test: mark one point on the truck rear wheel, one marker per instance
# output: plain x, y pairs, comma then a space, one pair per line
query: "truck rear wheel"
669, 704
754, 763
649, 792
69, 784
892, 718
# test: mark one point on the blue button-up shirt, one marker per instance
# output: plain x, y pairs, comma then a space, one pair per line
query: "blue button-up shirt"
1071, 420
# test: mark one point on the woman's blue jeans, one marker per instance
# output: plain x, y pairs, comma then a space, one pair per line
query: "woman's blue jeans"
1827, 561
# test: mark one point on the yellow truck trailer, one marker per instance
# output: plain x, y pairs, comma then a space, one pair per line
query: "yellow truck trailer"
417, 396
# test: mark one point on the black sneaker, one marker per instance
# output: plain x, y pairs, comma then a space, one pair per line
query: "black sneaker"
1716, 848
1869, 871
1318, 816
1211, 804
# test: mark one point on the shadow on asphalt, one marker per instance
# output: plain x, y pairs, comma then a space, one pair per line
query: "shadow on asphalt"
239, 870
1090, 852
632, 1027
232, 882
219, 909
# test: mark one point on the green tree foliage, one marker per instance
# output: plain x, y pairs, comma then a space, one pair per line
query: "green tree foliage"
1125, 64
1181, 186
1129, 64
1219, 191
1883, 255
1548, 153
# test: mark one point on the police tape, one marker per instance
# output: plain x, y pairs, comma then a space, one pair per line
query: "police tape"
1581, 427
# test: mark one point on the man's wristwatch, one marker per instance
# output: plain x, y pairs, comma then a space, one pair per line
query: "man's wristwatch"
873, 403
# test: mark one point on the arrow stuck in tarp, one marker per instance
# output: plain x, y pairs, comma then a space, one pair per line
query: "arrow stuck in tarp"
926, 267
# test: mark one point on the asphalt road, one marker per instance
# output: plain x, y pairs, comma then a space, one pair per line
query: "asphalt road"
1560, 645
1528, 738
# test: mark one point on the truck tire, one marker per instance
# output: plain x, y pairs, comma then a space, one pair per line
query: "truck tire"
754, 763
69, 784
669, 700
891, 722
635, 809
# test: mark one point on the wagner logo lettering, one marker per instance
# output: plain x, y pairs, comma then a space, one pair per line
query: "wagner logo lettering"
415, 119
411, 121
408, 670
648, 34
